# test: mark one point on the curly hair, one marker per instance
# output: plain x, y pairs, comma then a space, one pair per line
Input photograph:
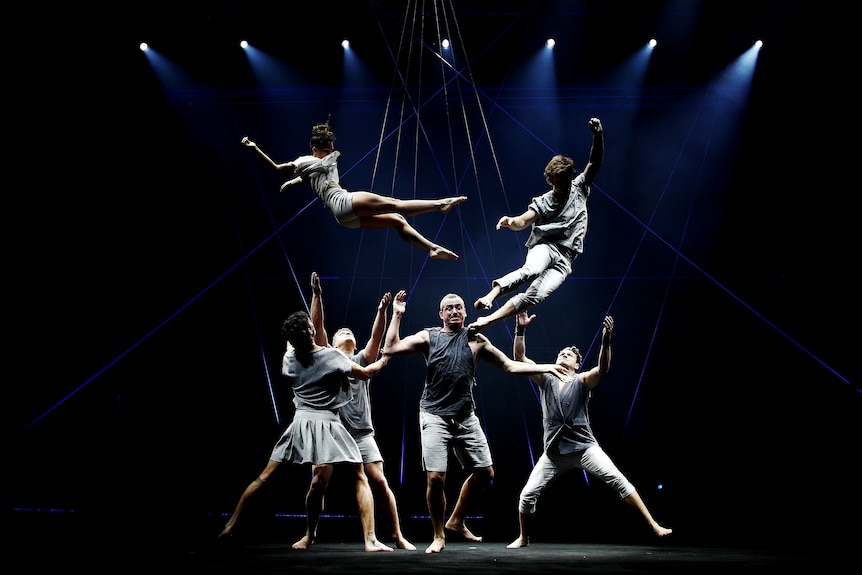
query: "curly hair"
559, 166
321, 135
295, 330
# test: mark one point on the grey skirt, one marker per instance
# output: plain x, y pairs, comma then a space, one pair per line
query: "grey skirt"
316, 437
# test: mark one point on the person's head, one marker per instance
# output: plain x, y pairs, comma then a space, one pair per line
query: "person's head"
344, 339
452, 311
299, 331
570, 357
560, 171
322, 138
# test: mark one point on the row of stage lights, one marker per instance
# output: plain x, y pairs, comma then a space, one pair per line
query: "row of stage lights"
549, 44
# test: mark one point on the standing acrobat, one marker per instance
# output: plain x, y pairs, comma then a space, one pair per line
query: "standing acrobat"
568, 438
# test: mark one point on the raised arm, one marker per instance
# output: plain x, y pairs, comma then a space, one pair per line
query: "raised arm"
410, 345
597, 150
591, 378
287, 167
320, 336
372, 348
519, 343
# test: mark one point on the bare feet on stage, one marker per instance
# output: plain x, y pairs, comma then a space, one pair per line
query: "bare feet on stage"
518, 543
463, 531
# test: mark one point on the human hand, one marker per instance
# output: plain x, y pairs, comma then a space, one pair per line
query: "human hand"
315, 283
246, 142
295, 180
384, 301
504, 222
522, 319
608, 324
561, 373
595, 125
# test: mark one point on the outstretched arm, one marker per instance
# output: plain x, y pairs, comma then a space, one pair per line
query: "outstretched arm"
496, 358
597, 150
372, 348
518, 223
368, 371
591, 378
410, 345
287, 167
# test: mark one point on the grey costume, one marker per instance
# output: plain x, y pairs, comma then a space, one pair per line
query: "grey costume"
316, 435
556, 240
569, 442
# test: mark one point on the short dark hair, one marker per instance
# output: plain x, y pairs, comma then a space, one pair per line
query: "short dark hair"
295, 330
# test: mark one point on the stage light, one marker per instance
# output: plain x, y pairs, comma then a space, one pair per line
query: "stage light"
445, 43
144, 46
345, 44
652, 43
243, 44
550, 43
758, 44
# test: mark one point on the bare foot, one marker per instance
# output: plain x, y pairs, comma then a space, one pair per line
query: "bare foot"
375, 545
462, 529
436, 546
303, 543
447, 203
440, 253
483, 303
661, 531
404, 544
518, 543
477, 325
225, 534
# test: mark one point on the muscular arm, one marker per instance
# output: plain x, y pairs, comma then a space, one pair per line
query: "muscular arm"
597, 150
496, 358
592, 377
372, 348
410, 345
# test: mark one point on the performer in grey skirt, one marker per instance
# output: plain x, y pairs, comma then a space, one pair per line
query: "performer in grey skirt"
316, 436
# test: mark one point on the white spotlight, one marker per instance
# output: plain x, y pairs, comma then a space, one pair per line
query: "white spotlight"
652, 43
243, 44
144, 47
758, 44
550, 43
345, 44
445, 43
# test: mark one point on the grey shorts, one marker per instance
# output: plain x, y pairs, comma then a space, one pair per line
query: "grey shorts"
464, 436
367, 446
340, 202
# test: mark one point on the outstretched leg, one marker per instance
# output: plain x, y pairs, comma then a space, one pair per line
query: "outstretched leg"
247, 494
366, 204
435, 496
502, 312
408, 233
635, 501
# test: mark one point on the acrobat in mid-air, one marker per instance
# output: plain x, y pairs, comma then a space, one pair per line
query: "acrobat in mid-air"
358, 209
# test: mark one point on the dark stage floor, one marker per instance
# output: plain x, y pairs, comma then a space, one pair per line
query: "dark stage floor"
38, 542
